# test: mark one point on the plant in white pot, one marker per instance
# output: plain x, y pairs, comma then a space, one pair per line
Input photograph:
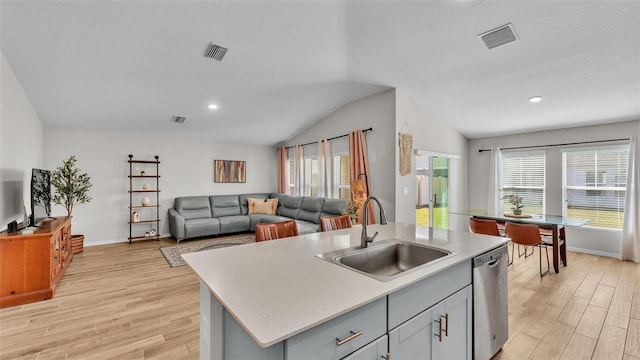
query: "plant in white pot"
71, 188
515, 199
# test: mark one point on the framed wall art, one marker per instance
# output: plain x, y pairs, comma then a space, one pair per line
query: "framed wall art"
229, 171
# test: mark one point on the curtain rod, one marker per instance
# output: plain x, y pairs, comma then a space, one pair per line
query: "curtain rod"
333, 138
550, 145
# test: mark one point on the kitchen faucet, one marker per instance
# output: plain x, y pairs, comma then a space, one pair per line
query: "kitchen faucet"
364, 239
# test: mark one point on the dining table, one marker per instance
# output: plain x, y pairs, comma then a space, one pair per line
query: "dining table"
555, 223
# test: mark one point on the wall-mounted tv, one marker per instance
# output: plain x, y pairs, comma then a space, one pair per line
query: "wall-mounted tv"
40, 195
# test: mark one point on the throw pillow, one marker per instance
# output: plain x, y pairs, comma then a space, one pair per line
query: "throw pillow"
261, 206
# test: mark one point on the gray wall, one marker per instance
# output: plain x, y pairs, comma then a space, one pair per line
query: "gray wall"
20, 146
590, 240
186, 168
376, 111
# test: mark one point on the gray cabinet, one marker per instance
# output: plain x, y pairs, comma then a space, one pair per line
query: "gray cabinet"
440, 332
430, 319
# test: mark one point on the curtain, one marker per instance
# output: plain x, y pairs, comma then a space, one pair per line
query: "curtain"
298, 171
494, 202
283, 174
325, 188
630, 244
360, 163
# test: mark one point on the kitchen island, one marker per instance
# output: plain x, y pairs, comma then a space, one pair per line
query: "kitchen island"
277, 299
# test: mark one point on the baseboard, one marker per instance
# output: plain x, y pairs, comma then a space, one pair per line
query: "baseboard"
112, 241
594, 252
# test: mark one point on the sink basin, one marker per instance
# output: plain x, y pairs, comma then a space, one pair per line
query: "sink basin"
385, 260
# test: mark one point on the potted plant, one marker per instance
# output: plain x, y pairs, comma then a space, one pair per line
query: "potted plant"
515, 199
352, 210
71, 188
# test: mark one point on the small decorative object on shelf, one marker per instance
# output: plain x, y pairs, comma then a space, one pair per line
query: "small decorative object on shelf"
146, 201
138, 190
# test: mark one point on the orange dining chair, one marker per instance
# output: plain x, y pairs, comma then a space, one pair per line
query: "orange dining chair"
482, 226
279, 230
527, 235
329, 223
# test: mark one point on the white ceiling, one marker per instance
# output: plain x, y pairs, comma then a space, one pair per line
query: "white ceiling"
131, 65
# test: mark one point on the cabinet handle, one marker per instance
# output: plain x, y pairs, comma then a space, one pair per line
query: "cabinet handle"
446, 324
353, 335
439, 334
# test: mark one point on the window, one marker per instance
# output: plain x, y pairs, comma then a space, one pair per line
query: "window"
525, 171
342, 176
594, 184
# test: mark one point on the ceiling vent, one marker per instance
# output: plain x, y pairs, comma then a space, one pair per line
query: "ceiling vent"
178, 119
499, 36
215, 52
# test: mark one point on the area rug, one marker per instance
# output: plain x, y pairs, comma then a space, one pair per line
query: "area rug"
172, 253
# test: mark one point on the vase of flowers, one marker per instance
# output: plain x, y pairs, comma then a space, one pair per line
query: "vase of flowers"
514, 199
352, 210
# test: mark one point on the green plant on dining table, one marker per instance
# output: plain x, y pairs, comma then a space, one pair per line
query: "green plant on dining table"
514, 198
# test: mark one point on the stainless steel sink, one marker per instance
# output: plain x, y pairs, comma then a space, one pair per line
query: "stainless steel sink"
387, 259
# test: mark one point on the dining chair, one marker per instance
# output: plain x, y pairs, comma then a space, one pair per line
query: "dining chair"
329, 223
527, 235
482, 226
278, 230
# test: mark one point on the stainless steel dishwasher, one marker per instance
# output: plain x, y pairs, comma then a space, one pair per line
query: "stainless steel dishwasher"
490, 309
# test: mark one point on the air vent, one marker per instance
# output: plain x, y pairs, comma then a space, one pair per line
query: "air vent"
178, 119
499, 36
215, 52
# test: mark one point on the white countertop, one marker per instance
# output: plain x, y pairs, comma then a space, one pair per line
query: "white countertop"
277, 289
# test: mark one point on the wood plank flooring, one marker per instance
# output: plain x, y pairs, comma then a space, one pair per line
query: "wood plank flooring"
123, 301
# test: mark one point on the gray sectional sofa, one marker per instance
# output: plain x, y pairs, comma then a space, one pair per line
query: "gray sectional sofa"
196, 216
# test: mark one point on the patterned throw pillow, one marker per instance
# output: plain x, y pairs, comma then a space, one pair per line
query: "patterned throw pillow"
261, 206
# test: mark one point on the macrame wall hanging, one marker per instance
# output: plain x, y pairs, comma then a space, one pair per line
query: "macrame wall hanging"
405, 142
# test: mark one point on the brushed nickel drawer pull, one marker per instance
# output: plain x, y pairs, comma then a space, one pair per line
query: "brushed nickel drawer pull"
348, 338
446, 324
439, 334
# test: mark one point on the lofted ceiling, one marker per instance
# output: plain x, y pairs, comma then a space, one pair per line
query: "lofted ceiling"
132, 65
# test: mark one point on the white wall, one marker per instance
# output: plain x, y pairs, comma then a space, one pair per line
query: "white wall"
590, 240
186, 168
433, 135
20, 145
376, 111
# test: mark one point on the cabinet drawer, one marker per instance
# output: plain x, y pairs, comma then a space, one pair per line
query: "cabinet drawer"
321, 342
376, 350
410, 301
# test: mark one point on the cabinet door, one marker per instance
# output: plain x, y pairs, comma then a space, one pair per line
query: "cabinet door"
453, 316
375, 350
413, 339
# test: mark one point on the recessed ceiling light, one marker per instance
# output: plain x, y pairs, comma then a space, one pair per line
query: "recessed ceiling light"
212, 106
535, 99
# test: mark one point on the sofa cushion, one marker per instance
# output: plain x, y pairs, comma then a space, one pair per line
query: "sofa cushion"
333, 207
310, 209
224, 205
290, 207
262, 206
306, 227
244, 206
201, 227
234, 223
193, 207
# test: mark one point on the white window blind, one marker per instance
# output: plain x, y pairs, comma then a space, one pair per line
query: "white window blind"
594, 184
525, 171
341, 177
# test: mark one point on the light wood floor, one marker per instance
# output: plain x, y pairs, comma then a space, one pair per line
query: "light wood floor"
124, 302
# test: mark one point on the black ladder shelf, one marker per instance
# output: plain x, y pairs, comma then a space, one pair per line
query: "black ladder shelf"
136, 187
